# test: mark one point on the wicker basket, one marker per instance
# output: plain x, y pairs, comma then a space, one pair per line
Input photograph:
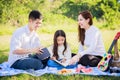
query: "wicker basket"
116, 56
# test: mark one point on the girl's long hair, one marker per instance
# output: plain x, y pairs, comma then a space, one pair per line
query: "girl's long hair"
55, 46
81, 31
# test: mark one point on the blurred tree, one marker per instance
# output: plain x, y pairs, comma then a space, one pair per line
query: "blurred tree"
16, 11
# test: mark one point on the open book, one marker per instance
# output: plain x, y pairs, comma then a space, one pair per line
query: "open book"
66, 63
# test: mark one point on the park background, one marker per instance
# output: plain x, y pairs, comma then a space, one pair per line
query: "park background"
58, 14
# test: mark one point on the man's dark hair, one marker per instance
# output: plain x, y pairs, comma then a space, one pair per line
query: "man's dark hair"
35, 14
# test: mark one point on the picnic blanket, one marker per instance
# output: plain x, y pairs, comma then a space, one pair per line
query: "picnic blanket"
7, 71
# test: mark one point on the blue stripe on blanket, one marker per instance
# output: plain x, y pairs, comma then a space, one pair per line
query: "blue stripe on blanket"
7, 71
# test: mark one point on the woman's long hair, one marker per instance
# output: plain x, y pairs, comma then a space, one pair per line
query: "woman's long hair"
81, 31
55, 46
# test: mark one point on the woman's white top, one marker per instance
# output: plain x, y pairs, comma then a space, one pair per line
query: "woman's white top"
22, 38
93, 43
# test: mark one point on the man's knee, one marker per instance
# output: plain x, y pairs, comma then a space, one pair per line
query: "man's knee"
36, 64
28, 63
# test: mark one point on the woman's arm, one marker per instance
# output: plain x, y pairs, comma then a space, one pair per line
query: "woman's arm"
89, 50
93, 44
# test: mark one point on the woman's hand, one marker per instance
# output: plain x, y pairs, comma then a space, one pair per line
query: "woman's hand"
74, 60
63, 60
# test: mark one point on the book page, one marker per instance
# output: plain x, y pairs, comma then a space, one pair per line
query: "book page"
66, 63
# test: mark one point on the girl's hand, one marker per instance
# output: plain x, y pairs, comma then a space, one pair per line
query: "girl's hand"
53, 58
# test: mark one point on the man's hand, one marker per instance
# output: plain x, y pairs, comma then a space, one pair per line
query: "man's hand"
26, 51
37, 50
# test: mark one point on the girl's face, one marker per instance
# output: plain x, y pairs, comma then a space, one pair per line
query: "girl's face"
60, 40
82, 22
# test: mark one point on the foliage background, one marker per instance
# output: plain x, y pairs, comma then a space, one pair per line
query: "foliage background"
59, 13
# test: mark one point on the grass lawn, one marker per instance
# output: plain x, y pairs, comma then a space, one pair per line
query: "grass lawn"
56, 77
46, 40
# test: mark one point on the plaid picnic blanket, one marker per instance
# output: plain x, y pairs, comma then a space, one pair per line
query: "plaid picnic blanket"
7, 71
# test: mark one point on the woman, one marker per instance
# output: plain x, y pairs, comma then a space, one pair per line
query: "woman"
91, 48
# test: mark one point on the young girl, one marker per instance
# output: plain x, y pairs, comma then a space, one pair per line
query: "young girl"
91, 48
60, 50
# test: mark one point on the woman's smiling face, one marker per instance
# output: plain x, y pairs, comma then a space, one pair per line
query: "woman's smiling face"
82, 22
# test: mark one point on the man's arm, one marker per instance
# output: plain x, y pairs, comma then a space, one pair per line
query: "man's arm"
26, 51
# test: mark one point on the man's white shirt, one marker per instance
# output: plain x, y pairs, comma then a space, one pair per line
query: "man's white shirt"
22, 38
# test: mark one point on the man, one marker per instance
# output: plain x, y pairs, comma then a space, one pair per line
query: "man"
25, 41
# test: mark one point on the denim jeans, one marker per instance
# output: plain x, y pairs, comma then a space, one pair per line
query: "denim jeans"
28, 63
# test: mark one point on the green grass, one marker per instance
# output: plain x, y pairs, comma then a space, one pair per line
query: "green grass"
6, 29
46, 40
56, 77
